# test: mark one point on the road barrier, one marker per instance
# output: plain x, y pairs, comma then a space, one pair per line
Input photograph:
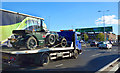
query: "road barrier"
111, 67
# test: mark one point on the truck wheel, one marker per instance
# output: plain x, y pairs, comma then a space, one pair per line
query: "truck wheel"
16, 47
63, 42
75, 54
51, 39
45, 59
31, 43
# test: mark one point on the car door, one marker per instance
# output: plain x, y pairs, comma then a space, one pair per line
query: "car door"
40, 37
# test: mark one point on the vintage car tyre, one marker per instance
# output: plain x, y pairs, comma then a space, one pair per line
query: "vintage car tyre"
51, 39
63, 42
15, 47
31, 43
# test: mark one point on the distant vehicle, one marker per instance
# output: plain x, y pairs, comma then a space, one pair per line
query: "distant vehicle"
83, 44
81, 41
98, 44
112, 42
105, 45
94, 43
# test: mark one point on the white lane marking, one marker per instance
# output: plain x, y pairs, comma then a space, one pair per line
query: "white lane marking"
96, 55
59, 65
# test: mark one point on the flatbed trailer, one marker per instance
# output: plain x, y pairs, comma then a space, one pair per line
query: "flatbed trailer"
38, 56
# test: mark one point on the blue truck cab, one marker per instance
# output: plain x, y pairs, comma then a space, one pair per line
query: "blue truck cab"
71, 36
77, 40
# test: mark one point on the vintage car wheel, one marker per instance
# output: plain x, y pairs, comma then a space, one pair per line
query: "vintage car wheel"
51, 39
31, 43
63, 42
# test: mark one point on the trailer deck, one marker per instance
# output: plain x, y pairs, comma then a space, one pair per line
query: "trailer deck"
25, 51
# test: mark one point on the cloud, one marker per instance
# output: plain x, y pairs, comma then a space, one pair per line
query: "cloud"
110, 19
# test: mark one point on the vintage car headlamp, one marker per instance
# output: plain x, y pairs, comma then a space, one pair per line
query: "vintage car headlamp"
13, 37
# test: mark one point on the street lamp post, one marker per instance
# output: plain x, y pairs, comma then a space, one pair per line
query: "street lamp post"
104, 21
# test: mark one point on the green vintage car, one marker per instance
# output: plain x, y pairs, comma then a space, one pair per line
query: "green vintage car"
38, 37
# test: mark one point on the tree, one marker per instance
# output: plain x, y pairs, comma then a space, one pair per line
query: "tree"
85, 37
100, 37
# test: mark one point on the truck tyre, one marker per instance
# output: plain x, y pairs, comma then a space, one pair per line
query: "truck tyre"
51, 39
75, 54
63, 42
45, 59
31, 43
15, 46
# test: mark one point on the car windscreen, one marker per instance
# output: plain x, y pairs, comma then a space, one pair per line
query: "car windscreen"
100, 42
33, 24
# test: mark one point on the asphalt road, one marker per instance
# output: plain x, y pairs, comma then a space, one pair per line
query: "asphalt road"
92, 59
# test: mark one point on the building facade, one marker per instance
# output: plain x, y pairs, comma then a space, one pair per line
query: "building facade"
93, 36
93, 32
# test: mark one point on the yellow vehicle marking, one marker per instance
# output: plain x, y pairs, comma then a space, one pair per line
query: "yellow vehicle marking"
5, 57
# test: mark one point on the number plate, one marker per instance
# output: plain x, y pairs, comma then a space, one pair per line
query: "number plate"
59, 54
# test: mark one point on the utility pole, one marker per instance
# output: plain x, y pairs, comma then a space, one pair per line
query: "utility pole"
104, 23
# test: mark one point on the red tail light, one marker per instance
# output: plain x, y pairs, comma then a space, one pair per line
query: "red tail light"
43, 36
61, 30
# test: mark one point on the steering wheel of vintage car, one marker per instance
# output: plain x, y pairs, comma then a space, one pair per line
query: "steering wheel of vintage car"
63, 42
51, 39
31, 43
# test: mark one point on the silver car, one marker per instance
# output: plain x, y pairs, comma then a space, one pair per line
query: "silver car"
105, 44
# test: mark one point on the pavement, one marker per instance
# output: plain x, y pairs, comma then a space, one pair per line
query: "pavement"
92, 59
